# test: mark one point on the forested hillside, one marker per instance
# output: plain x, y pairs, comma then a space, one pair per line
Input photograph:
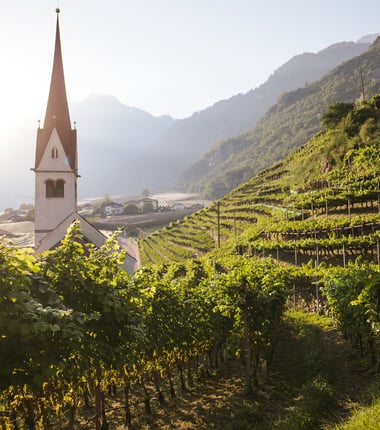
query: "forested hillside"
286, 126
188, 139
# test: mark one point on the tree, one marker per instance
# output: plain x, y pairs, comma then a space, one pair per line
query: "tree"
145, 192
131, 209
335, 113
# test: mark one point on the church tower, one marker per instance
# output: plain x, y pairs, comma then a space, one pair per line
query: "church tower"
56, 171
56, 168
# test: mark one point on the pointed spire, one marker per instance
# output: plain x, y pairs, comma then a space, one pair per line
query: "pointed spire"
57, 111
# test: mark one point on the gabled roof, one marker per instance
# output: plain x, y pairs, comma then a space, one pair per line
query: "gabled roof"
55, 236
57, 111
113, 205
89, 232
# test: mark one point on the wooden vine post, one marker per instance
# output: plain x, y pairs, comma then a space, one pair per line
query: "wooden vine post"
317, 286
218, 223
344, 255
317, 255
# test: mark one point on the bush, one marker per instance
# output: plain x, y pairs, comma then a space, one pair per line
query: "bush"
335, 113
131, 209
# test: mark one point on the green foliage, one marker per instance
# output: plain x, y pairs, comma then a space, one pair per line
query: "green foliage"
79, 321
363, 419
131, 209
66, 317
29, 330
287, 126
357, 118
353, 294
335, 174
335, 113
314, 405
252, 294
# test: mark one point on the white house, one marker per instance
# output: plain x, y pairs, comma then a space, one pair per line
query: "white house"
113, 208
178, 206
147, 200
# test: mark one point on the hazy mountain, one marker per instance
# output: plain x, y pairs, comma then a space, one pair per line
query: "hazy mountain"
368, 39
189, 139
286, 126
114, 146
124, 149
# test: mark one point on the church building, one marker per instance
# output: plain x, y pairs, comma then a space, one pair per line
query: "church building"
56, 168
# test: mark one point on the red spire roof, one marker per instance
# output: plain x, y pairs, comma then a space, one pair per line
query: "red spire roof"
57, 112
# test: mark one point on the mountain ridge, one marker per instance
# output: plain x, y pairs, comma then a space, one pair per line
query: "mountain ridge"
123, 149
230, 117
287, 124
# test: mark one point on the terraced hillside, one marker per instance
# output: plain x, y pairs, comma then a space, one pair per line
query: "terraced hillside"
321, 203
286, 126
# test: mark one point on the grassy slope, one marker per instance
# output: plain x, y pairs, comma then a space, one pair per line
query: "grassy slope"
364, 418
269, 200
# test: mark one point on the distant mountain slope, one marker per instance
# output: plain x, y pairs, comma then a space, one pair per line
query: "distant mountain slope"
115, 144
287, 125
123, 149
188, 139
114, 147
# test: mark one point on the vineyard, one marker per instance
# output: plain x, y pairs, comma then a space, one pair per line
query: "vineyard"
75, 326
78, 334
321, 203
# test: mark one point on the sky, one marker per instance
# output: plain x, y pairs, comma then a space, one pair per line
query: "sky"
164, 56
171, 57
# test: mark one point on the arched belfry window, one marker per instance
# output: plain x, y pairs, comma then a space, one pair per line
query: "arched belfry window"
49, 188
54, 188
54, 153
59, 188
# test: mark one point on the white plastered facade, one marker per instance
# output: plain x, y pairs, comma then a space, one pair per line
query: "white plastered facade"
51, 210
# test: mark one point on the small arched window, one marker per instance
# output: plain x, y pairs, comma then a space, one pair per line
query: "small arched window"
54, 188
54, 153
59, 188
49, 188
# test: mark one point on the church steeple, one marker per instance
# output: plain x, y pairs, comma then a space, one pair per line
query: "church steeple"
56, 168
57, 112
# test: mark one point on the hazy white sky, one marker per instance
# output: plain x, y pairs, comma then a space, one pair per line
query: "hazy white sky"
164, 56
